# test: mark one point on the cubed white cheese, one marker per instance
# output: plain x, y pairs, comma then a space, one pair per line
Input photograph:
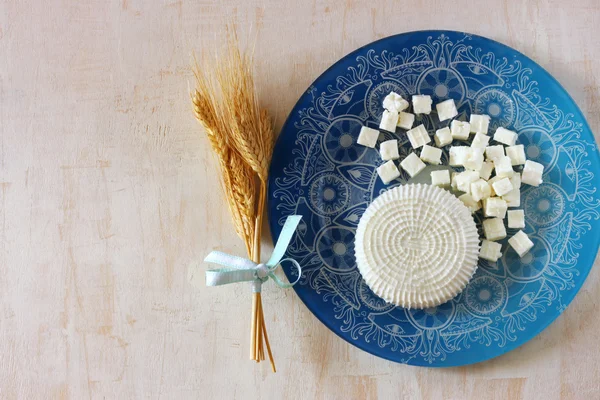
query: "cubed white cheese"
453, 185
440, 178
491, 183
412, 165
516, 219
431, 155
406, 120
443, 137
493, 152
503, 167
474, 159
388, 172
460, 130
421, 104
402, 104
395, 102
502, 186
493, 229
490, 251
505, 136
486, 170
458, 155
368, 136
521, 243
479, 123
513, 198
389, 150
389, 101
464, 180
516, 154
418, 136
470, 202
516, 180
389, 120
480, 190
494, 207
446, 110
480, 141
532, 173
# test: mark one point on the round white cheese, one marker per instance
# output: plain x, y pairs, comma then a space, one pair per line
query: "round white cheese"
417, 246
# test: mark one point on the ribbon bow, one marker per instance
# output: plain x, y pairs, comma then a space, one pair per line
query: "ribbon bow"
238, 269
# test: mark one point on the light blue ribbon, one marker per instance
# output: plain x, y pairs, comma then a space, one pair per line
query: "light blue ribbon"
238, 269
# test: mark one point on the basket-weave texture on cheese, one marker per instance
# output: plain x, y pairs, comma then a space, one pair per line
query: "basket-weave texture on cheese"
417, 246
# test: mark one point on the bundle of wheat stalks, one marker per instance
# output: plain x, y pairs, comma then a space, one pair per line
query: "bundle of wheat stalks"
241, 135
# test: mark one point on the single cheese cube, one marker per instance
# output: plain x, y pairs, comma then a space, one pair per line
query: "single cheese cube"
516, 154
440, 178
412, 165
389, 102
491, 183
480, 190
503, 167
521, 243
490, 251
368, 136
389, 150
406, 120
513, 198
516, 180
494, 229
505, 136
395, 102
480, 141
502, 186
402, 104
418, 136
432, 155
446, 110
474, 159
470, 202
464, 180
493, 152
494, 207
388, 172
389, 120
454, 183
443, 137
458, 155
532, 173
460, 130
486, 170
516, 219
421, 104
479, 123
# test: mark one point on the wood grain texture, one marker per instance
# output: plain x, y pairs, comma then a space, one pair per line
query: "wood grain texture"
108, 192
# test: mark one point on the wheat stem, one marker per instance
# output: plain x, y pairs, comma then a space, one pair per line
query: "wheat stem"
241, 134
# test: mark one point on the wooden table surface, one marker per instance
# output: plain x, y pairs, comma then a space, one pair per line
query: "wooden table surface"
108, 192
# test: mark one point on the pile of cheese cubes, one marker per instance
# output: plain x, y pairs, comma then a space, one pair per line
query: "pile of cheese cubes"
481, 191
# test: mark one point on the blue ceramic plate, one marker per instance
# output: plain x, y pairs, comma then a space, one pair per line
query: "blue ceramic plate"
319, 172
